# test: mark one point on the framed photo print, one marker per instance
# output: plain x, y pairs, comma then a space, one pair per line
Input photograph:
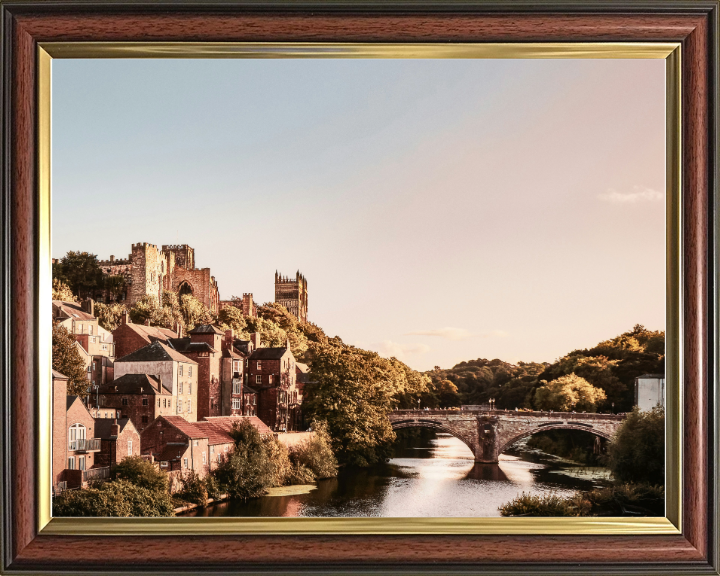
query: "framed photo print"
359, 287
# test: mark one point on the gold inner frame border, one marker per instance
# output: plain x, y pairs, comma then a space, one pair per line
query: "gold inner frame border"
670, 524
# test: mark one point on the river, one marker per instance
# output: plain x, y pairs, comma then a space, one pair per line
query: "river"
430, 475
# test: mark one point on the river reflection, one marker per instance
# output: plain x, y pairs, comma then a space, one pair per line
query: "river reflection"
430, 475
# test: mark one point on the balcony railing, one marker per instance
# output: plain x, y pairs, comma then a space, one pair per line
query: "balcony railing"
85, 445
96, 474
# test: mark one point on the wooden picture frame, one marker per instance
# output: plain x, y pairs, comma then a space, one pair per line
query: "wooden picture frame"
29, 547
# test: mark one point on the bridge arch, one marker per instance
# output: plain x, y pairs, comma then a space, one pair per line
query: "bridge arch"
420, 423
532, 432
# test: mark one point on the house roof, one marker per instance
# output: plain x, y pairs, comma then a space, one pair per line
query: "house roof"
171, 452
57, 376
71, 400
148, 333
72, 310
186, 346
197, 430
155, 352
248, 390
206, 329
300, 367
103, 426
269, 353
137, 384
226, 422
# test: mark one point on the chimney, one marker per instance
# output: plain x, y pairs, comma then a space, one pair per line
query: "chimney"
147, 322
114, 428
89, 306
287, 343
112, 258
255, 339
124, 318
229, 338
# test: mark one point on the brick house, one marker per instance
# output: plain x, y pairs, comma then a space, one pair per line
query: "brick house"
129, 337
96, 344
179, 445
272, 373
118, 439
204, 346
176, 372
82, 445
139, 397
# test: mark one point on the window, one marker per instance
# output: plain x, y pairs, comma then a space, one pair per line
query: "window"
236, 404
81, 463
212, 449
185, 463
270, 379
195, 442
219, 458
144, 419
180, 368
189, 388
124, 401
71, 463
104, 346
90, 330
145, 402
189, 405
254, 399
78, 328
179, 408
226, 448
237, 388
258, 365
236, 366
158, 402
258, 379
189, 370
75, 433
130, 447
204, 458
179, 387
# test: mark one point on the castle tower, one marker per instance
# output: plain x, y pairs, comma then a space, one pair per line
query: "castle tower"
292, 294
148, 270
184, 255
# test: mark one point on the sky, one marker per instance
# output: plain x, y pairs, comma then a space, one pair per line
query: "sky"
441, 210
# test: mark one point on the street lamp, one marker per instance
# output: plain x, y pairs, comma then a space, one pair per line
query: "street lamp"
418, 403
613, 407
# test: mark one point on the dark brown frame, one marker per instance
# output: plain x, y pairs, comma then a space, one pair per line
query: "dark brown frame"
693, 23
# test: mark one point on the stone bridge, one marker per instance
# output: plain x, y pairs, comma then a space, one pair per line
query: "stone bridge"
488, 433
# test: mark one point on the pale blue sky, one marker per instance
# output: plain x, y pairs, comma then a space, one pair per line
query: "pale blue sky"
440, 210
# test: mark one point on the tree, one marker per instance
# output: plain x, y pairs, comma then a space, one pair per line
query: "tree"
637, 452
61, 291
316, 453
567, 393
353, 390
81, 272
109, 315
448, 394
147, 308
194, 312
142, 473
232, 317
118, 498
246, 471
115, 287
67, 360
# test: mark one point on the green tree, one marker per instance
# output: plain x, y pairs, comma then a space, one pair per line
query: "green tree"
140, 472
147, 308
118, 498
81, 272
115, 287
232, 317
67, 360
637, 451
61, 291
447, 394
109, 315
194, 312
567, 393
316, 453
353, 390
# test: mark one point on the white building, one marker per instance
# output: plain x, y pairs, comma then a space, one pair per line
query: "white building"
650, 391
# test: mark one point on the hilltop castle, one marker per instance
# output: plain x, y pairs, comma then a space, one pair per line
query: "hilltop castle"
293, 294
149, 271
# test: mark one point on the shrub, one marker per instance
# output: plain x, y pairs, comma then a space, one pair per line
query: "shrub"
193, 489
541, 505
316, 453
300, 474
118, 498
279, 459
214, 490
637, 452
142, 473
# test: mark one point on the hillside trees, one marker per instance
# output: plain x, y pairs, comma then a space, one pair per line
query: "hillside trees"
568, 393
67, 360
81, 272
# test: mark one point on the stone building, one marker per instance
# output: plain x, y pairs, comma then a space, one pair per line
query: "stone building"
293, 294
150, 270
95, 344
139, 397
272, 372
176, 372
118, 439
244, 304
204, 346
129, 337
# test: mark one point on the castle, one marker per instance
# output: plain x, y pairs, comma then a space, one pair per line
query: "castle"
149, 271
293, 294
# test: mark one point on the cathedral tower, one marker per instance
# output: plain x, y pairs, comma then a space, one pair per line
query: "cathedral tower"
293, 294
